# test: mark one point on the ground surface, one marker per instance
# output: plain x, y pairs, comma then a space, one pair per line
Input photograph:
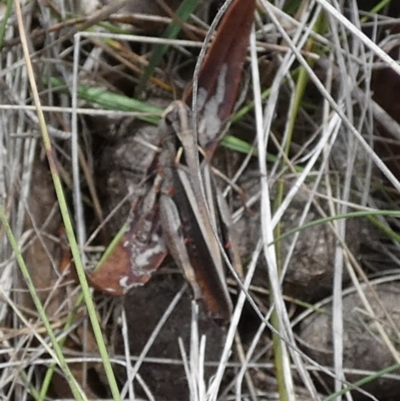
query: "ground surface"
318, 240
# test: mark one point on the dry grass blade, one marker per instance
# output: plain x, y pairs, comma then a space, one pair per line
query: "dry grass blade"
315, 202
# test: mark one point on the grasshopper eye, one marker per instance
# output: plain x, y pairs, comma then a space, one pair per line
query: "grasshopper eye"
171, 114
169, 119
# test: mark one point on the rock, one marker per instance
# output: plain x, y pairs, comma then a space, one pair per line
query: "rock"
363, 347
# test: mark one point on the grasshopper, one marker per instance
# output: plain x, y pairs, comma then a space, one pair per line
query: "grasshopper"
188, 230
174, 216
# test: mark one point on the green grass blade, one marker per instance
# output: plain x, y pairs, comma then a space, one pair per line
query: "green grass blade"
75, 388
69, 231
370, 214
172, 31
363, 381
41, 396
4, 22
109, 100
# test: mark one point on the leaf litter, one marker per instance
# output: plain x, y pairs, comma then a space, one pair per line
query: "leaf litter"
328, 170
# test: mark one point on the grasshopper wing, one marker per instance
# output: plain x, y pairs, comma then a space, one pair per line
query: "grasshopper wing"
138, 253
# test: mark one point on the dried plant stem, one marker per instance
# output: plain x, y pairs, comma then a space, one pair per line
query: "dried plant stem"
77, 391
58, 354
